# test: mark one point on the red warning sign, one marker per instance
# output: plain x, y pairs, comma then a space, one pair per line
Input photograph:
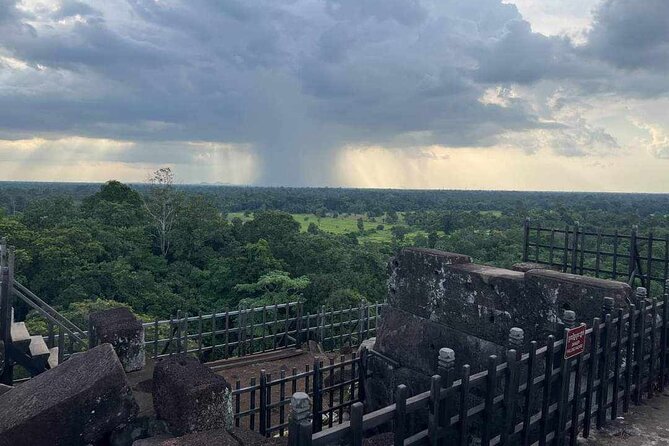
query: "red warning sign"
575, 342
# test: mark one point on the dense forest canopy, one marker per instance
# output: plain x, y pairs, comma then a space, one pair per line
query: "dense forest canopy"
161, 247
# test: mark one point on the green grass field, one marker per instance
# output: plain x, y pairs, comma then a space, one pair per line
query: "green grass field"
344, 225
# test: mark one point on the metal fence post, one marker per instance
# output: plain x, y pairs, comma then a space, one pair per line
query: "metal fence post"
178, 334
526, 238
356, 424
263, 403
400, 415
631, 265
321, 336
510, 394
607, 306
299, 425
663, 337
362, 374
434, 410
574, 248
445, 368
298, 329
317, 406
5, 314
361, 316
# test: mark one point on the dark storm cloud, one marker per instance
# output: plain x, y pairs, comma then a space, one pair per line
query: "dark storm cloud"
632, 34
296, 80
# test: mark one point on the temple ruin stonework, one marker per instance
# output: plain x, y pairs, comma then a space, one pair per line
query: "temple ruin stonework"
439, 299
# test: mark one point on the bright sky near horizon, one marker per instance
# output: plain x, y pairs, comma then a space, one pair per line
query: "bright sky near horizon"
475, 94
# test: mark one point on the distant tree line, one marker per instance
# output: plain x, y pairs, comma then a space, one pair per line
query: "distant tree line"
159, 247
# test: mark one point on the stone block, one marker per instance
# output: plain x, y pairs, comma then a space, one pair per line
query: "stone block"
414, 343
481, 300
524, 267
219, 437
4, 389
415, 272
384, 378
190, 397
247, 437
582, 294
120, 328
76, 403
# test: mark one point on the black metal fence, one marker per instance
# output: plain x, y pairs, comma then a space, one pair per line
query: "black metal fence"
263, 405
246, 331
638, 259
537, 397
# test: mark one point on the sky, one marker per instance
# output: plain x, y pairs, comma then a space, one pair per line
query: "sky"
445, 94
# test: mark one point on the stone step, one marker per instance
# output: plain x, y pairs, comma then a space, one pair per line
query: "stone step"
53, 357
38, 349
20, 336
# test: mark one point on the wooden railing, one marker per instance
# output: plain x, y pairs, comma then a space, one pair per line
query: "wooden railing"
537, 397
639, 259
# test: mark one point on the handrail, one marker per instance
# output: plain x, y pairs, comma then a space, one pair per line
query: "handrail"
52, 318
48, 308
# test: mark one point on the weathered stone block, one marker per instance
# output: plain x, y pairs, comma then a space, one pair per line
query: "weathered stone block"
190, 397
381, 386
415, 272
528, 266
481, 300
5, 388
247, 437
120, 328
76, 403
414, 343
582, 294
219, 437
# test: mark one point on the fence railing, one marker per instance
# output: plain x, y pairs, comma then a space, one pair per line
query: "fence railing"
263, 404
639, 259
243, 332
537, 397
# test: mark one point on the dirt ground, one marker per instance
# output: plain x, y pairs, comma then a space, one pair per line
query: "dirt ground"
644, 425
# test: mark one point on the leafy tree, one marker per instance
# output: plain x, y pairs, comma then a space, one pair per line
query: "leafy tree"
432, 239
399, 232
115, 204
272, 288
361, 224
49, 213
312, 228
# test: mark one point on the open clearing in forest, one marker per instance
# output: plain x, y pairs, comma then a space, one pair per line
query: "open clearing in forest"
345, 224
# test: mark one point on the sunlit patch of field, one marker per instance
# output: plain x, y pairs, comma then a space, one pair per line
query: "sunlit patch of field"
344, 224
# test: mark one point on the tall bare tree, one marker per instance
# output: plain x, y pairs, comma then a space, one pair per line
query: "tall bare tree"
162, 204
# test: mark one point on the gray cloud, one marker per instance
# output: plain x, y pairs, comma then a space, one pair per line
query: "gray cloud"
632, 34
297, 80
